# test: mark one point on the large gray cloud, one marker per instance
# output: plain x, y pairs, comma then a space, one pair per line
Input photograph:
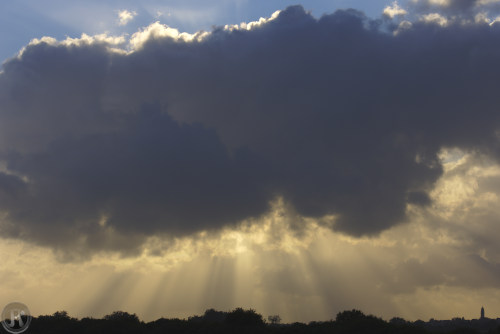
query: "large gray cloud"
336, 115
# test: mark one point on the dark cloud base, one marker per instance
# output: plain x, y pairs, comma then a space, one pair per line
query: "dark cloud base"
335, 115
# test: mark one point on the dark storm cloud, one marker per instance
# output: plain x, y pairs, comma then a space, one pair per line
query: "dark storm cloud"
333, 114
150, 172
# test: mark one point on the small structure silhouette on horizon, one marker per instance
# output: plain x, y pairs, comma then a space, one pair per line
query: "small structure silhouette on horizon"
482, 312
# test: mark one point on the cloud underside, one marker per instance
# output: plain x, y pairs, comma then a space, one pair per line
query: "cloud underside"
104, 147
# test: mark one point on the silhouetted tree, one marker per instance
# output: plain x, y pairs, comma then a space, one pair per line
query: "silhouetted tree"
122, 322
212, 315
122, 316
350, 316
59, 322
241, 317
355, 321
61, 315
274, 319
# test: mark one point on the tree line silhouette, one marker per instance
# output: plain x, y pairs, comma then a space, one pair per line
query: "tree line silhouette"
244, 321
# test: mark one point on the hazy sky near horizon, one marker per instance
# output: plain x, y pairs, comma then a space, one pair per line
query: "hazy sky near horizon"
300, 160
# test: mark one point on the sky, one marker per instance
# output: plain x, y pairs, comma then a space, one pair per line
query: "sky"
298, 159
